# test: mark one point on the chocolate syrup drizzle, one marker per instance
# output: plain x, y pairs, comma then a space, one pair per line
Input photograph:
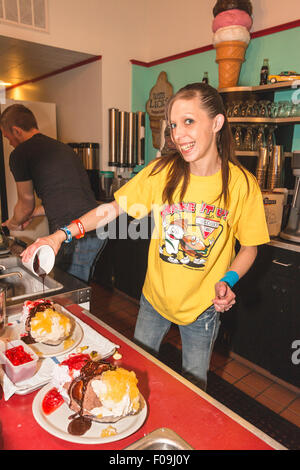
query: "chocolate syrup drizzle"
39, 271
81, 423
28, 339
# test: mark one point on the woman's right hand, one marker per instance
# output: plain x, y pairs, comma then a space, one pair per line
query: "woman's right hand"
54, 240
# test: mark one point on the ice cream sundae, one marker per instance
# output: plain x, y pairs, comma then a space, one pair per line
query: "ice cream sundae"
96, 390
231, 35
44, 324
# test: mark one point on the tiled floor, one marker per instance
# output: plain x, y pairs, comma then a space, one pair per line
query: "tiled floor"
120, 312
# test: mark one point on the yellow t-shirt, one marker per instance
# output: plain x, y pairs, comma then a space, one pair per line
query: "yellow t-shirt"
193, 241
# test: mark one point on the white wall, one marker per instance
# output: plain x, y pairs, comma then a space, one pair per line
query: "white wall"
174, 26
121, 30
77, 94
114, 29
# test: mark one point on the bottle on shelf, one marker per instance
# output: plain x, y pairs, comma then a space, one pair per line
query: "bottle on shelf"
205, 78
264, 72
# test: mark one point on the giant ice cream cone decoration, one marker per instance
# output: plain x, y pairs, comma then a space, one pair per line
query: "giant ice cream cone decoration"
231, 25
230, 56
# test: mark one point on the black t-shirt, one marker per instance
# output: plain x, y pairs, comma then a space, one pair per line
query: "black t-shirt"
58, 176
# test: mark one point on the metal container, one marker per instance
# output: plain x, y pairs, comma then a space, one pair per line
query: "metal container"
123, 138
132, 122
275, 174
106, 185
76, 146
3, 317
90, 155
113, 126
262, 165
140, 138
160, 439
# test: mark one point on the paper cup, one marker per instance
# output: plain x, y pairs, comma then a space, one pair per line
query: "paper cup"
42, 261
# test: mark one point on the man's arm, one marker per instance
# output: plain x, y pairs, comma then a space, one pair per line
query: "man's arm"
24, 207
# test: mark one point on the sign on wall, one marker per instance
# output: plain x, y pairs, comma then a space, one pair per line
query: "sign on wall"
155, 106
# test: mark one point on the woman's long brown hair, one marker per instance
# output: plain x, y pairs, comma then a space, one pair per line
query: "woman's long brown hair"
179, 171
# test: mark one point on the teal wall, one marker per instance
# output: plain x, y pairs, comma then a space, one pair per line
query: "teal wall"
280, 48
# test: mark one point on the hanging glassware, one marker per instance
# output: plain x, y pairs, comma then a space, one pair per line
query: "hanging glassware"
248, 140
271, 139
260, 140
238, 138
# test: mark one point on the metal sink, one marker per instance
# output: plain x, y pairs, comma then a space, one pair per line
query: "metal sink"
160, 439
21, 288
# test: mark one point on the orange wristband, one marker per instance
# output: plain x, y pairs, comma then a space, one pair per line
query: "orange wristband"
80, 228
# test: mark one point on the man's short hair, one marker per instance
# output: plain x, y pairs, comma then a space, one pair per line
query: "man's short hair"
18, 115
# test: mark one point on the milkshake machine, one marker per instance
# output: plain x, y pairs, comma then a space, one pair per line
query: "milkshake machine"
292, 230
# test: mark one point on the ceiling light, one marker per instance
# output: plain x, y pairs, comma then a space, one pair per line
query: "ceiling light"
5, 83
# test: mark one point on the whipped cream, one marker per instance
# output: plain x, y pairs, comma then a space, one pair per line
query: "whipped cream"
48, 326
62, 375
111, 407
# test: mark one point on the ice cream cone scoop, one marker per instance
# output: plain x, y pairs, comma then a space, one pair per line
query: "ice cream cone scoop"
232, 18
224, 5
231, 33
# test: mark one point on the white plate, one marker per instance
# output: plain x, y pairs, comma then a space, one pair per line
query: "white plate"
15, 330
44, 350
57, 422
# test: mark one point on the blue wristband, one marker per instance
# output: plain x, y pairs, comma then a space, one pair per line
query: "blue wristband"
68, 234
231, 278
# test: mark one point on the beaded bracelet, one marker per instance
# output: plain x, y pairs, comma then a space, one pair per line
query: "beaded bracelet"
80, 228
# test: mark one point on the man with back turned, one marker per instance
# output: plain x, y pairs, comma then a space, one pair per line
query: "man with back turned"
51, 169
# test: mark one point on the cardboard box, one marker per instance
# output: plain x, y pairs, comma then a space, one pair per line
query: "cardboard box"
273, 204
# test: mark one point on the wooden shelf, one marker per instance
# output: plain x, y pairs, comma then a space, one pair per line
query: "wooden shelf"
254, 153
263, 88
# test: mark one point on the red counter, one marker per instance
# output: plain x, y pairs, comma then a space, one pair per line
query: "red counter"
172, 401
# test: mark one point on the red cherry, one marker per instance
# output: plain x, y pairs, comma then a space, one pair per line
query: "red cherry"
76, 361
18, 355
52, 400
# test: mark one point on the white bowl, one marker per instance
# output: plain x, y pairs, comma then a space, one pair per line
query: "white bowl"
43, 258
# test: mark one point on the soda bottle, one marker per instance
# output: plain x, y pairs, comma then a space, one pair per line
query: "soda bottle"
264, 72
205, 78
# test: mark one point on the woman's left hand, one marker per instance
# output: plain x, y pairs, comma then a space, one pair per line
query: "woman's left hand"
225, 297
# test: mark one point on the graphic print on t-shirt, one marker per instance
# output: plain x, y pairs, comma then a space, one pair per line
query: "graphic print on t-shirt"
190, 232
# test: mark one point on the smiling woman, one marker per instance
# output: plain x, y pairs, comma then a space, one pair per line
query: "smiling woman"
200, 107
202, 201
194, 134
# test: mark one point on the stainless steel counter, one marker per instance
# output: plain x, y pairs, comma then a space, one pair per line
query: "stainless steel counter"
74, 291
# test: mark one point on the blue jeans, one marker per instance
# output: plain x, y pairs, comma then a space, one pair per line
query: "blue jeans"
79, 257
197, 338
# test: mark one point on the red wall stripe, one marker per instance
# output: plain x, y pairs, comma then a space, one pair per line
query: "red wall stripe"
199, 50
257, 34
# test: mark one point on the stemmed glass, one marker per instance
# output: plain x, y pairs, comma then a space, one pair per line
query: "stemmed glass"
263, 109
260, 140
236, 110
238, 138
248, 140
271, 139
